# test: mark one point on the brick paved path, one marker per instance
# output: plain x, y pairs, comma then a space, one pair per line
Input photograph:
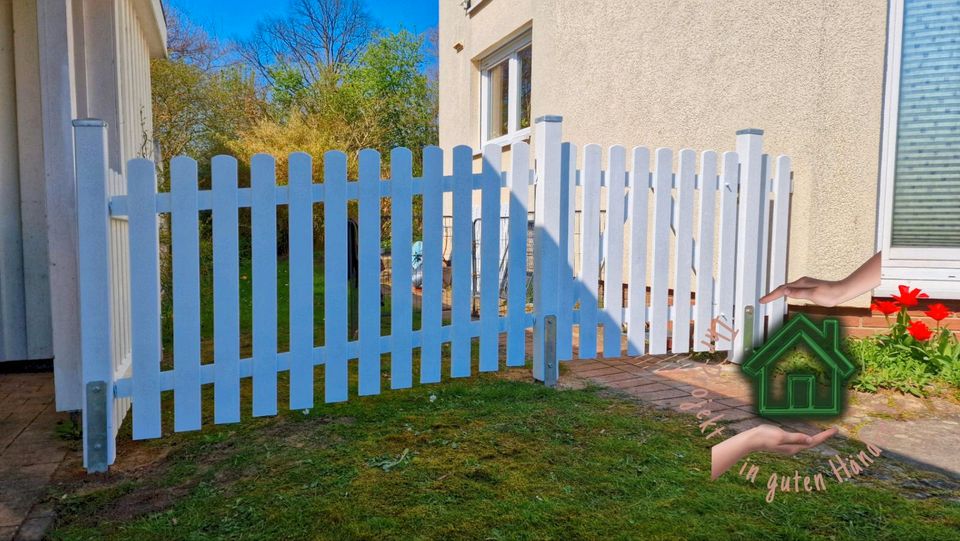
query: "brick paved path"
667, 381
925, 432
30, 452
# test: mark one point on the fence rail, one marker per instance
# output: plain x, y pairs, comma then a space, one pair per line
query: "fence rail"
658, 229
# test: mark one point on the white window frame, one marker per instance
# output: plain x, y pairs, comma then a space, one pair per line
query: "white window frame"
507, 53
936, 270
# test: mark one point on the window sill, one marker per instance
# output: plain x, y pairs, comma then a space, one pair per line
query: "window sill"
474, 5
505, 140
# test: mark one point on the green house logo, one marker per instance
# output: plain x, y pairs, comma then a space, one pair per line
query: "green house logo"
795, 395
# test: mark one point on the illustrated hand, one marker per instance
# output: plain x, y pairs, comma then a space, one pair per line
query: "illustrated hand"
776, 440
821, 292
762, 438
831, 292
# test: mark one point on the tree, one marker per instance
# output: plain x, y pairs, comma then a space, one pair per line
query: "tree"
381, 102
198, 104
316, 36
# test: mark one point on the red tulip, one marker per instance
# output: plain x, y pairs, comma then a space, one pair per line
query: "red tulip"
885, 307
919, 330
908, 297
937, 312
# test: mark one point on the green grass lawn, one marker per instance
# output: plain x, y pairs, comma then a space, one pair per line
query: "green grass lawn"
480, 458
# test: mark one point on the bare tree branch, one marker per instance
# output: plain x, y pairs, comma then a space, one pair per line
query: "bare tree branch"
317, 35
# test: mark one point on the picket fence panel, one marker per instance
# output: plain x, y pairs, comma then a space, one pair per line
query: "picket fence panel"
679, 240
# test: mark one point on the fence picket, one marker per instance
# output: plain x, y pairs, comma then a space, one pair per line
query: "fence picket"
663, 203
335, 273
184, 230
613, 238
145, 313
517, 264
637, 215
263, 221
401, 305
704, 262
226, 291
683, 252
589, 252
567, 290
368, 279
727, 259
431, 315
778, 241
750, 152
300, 216
489, 259
760, 310
462, 246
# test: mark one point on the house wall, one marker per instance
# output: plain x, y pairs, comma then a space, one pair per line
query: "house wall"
13, 336
24, 166
61, 60
689, 74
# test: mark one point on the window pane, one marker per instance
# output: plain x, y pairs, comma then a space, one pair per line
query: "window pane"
524, 58
926, 198
499, 97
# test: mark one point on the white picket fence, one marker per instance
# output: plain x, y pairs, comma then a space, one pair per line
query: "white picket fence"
739, 201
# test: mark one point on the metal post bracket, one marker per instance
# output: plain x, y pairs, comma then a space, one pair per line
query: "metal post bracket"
95, 426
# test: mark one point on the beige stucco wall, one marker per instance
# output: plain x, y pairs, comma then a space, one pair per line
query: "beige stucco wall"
689, 74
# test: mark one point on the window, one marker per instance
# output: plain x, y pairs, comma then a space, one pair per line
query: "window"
505, 93
919, 218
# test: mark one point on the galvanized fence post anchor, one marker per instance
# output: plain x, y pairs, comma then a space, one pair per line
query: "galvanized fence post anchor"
96, 426
551, 369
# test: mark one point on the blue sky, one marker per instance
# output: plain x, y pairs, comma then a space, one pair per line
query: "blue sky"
236, 19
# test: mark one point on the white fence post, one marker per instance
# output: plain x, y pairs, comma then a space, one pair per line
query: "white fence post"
749, 237
90, 147
546, 243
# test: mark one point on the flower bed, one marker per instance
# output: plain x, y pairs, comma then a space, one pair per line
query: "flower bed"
911, 357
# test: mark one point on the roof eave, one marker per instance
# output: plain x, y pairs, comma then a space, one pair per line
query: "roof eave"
150, 15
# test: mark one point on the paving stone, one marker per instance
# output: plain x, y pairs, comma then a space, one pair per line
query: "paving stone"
746, 424
14, 472
627, 383
641, 391
581, 365
634, 369
599, 372
34, 529
675, 403
13, 515
659, 395
732, 402
926, 441
737, 414
614, 377
641, 383
29, 454
801, 427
